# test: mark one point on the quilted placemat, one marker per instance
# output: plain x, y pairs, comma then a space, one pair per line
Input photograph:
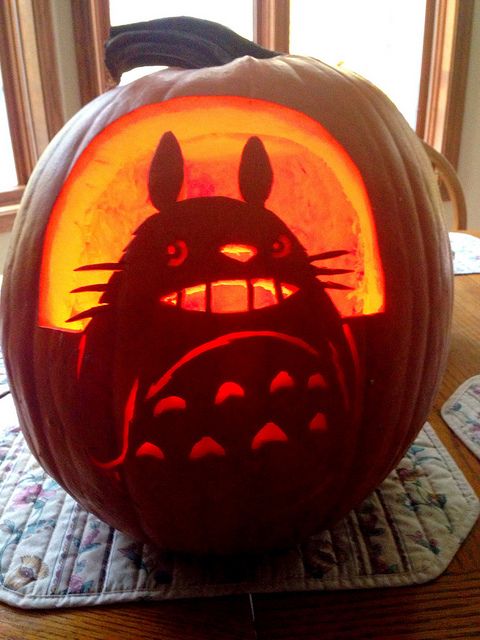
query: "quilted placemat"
55, 554
4, 387
462, 413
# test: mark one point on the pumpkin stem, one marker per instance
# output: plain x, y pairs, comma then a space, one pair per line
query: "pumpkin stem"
189, 43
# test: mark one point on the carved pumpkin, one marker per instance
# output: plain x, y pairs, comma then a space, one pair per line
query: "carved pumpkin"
228, 296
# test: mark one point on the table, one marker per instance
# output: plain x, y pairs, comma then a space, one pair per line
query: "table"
445, 609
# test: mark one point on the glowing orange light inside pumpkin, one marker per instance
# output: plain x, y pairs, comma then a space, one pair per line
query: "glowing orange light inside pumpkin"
109, 181
264, 293
206, 446
177, 252
127, 420
151, 450
170, 298
240, 252
227, 339
316, 381
282, 380
171, 403
268, 433
230, 296
288, 290
194, 298
318, 422
229, 390
81, 353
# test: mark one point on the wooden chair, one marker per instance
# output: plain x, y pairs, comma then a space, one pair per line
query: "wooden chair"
448, 178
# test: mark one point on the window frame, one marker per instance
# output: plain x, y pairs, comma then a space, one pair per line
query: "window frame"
443, 84
446, 48
91, 27
32, 92
271, 24
27, 25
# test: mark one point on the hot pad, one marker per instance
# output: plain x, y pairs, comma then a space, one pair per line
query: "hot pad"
54, 554
462, 413
466, 253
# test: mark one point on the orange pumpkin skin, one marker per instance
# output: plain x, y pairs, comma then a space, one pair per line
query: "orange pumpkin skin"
400, 353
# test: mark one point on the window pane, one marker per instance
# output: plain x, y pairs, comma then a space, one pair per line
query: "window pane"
8, 174
381, 40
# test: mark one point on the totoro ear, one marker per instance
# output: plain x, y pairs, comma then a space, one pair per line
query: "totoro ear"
255, 175
166, 172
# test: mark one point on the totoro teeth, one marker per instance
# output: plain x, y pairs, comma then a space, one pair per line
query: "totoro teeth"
230, 296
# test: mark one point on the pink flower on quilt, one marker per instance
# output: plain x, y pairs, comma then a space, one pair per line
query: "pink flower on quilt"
78, 584
32, 493
32, 568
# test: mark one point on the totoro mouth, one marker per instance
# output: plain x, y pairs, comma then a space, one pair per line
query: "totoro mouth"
230, 296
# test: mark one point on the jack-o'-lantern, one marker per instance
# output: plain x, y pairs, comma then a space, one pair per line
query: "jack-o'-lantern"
227, 300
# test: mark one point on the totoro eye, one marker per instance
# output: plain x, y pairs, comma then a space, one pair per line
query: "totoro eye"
281, 247
177, 252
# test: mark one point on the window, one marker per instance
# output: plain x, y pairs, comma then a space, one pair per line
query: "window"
8, 176
435, 58
35, 96
30, 110
369, 38
371, 42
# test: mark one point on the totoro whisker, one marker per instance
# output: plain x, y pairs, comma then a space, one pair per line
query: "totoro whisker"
101, 266
91, 287
334, 285
90, 313
326, 271
328, 254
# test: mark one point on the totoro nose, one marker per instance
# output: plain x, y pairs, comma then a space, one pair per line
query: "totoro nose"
240, 252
